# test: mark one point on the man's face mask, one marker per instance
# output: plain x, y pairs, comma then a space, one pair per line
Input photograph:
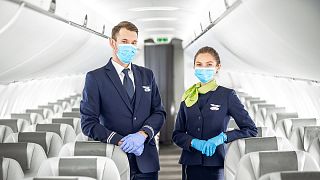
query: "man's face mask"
126, 53
204, 74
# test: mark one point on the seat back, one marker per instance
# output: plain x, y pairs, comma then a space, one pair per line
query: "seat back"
314, 150
62, 178
16, 125
267, 112
275, 117
257, 109
289, 175
49, 141
74, 122
82, 137
100, 168
285, 127
241, 147
65, 131
256, 164
28, 155
94, 148
5, 131
302, 137
48, 111
265, 132
10, 169
33, 118
74, 114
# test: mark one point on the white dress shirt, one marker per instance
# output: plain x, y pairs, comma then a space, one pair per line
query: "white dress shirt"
119, 69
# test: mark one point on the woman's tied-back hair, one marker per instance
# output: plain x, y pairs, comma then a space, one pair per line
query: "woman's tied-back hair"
209, 50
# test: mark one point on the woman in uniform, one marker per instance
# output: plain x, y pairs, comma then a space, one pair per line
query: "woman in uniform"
202, 121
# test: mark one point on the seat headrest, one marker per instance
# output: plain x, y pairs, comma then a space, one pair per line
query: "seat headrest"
17, 151
277, 161
65, 120
310, 133
10, 169
261, 144
12, 123
78, 167
71, 114
300, 175
55, 128
34, 137
91, 148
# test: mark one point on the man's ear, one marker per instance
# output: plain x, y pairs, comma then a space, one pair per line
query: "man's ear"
112, 43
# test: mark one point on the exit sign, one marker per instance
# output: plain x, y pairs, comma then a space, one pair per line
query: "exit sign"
162, 40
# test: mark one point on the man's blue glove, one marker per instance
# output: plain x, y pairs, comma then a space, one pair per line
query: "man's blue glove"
139, 151
197, 144
132, 142
210, 147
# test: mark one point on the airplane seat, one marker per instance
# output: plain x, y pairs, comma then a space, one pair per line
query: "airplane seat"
73, 114
267, 112
5, 131
232, 124
266, 132
82, 137
73, 122
251, 103
57, 109
48, 111
275, 117
17, 125
75, 109
61, 178
94, 148
249, 98
314, 150
100, 168
65, 104
285, 127
239, 148
28, 155
243, 97
49, 141
292, 175
37, 111
257, 108
256, 164
10, 169
65, 131
33, 118
302, 137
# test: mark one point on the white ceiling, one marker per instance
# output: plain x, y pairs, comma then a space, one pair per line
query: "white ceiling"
172, 18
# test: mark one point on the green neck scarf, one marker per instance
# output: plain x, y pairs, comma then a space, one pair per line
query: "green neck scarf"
190, 97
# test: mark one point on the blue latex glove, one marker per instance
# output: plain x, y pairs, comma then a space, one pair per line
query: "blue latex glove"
139, 151
210, 147
197, 144
132, 142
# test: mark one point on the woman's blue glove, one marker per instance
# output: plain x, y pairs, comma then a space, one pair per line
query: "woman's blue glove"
210, 147
132, 142
197, 144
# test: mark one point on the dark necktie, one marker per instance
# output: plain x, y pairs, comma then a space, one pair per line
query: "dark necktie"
128, 84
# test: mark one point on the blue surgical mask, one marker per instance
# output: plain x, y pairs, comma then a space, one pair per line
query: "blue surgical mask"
204, 74
126, 53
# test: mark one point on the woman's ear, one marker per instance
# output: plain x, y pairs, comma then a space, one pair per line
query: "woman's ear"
218, 67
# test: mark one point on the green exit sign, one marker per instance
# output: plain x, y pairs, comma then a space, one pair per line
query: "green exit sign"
162, 40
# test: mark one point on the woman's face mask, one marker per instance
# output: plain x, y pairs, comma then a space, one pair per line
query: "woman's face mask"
126, 53
204, 74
